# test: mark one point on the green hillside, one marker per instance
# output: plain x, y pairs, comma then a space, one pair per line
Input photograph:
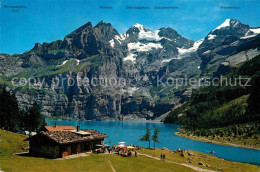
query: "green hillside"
224, 111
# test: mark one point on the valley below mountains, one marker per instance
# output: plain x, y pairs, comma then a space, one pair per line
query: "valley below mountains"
139, 57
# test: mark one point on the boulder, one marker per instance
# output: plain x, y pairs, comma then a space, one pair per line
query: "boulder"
190, 154
200, 163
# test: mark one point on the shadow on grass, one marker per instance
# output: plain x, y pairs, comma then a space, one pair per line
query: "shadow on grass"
23, 154
27, 154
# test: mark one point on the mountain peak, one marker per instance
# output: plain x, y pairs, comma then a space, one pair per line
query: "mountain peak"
136, 29
105, 31
102, 23
87, 25
230, 27
223, 25
139, 26
84, 28
229, 23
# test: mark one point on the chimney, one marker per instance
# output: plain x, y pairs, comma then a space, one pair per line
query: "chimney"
55, 125
77, 127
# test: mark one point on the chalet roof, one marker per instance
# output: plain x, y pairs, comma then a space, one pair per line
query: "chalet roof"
59, 128
65, 137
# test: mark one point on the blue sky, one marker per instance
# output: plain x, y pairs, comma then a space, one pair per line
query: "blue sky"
49, 20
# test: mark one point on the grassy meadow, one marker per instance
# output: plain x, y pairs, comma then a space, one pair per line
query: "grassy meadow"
213, 163
10, 143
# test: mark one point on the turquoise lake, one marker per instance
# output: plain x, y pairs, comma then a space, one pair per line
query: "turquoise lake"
130, 132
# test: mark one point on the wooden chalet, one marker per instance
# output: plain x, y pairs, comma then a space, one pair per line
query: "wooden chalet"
61, 143
59, 128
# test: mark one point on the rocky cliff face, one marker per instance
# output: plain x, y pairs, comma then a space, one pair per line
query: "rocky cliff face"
95, 73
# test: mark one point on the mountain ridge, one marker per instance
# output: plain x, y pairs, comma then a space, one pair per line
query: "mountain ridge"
139, 55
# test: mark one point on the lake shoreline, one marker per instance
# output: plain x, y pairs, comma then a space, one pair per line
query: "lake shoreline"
147, 160
107, 120
130, 132
213, 141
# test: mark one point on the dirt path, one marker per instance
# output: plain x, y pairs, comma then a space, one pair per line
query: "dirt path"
111, 166
183, 164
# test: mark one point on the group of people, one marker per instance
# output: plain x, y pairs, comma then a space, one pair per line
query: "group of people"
162, 157
126, 152
122, 150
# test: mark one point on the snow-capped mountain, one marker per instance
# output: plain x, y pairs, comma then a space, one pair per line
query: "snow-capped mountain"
251, 33
226, 39
139, 55
140, 40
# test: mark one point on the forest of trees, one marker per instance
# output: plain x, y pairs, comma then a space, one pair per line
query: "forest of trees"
245, 131
14, 119
224, 110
